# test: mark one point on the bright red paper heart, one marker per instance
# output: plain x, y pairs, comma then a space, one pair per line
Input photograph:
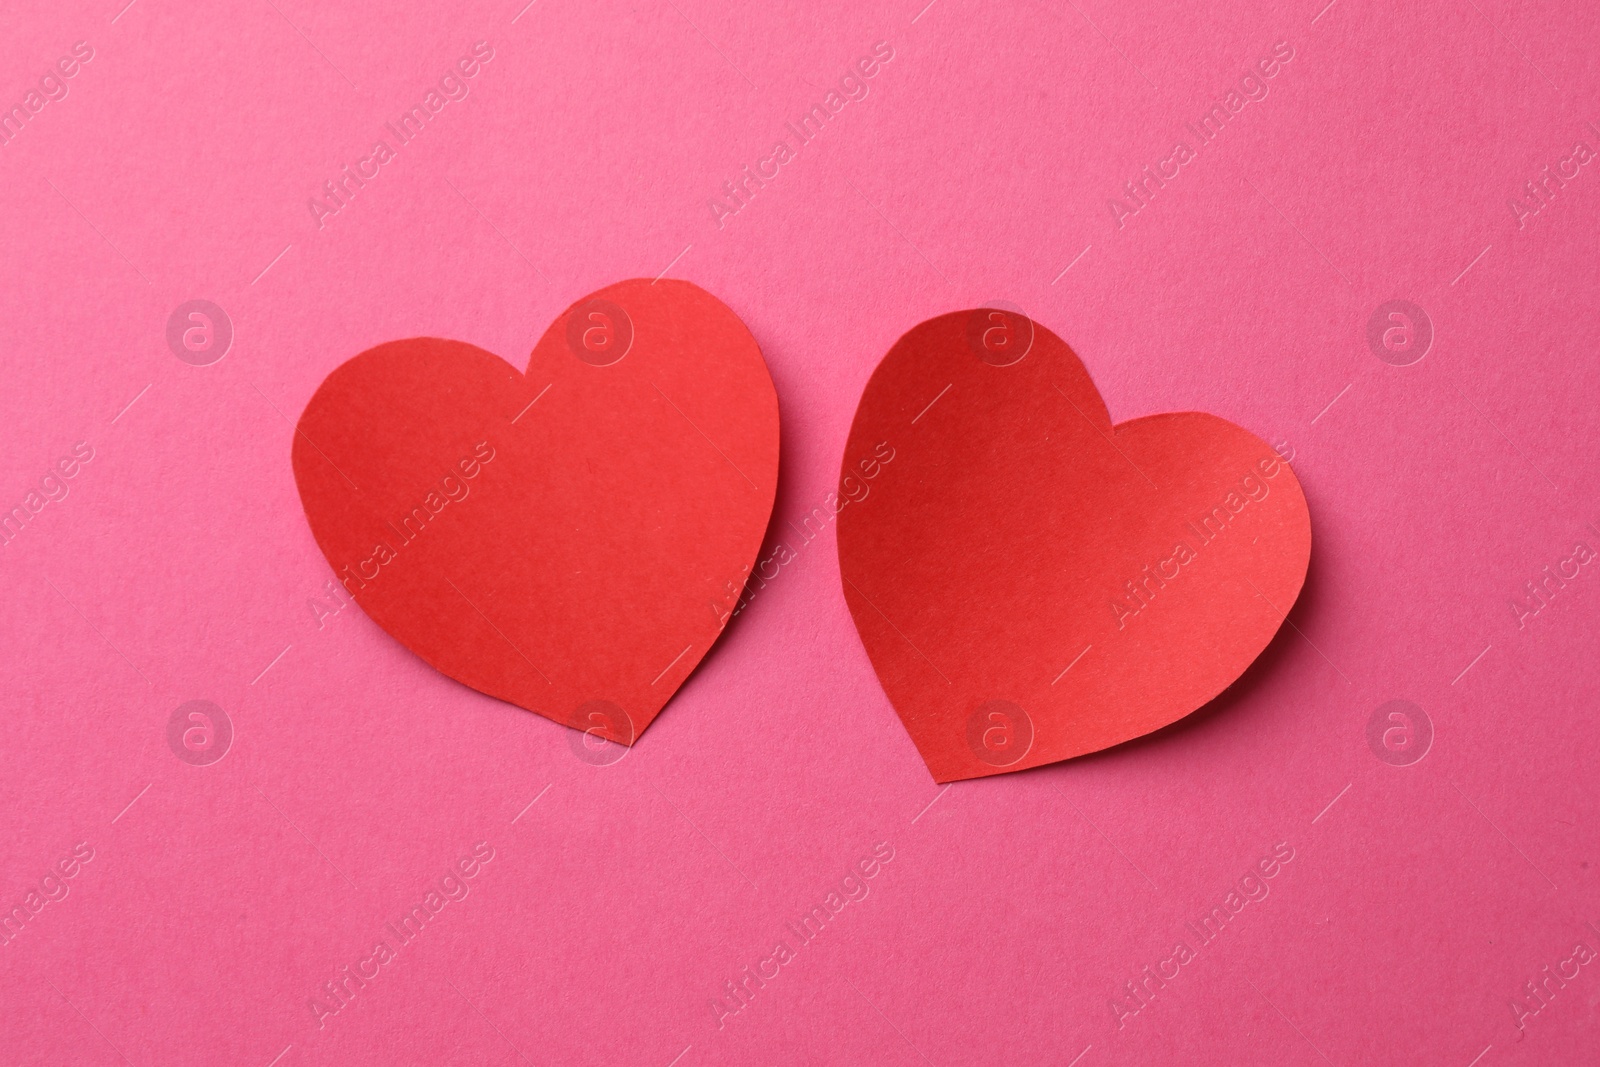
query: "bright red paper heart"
571, 539
1032, 583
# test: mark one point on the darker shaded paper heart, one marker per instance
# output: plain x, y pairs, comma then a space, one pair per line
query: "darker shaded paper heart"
1033, 583
572, 538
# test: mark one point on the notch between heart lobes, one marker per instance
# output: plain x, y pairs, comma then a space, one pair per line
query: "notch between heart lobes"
1032, 583
572, 538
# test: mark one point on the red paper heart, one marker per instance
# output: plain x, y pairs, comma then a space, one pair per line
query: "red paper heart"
985, 567
571, 539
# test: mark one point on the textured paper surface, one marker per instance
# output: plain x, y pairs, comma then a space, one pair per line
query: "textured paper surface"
176, 564
571, 539
1033, 583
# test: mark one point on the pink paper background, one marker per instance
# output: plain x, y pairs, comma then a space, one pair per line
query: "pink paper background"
221, 897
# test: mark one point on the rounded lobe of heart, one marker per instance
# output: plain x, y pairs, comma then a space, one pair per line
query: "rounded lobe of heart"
577, 533
1032, 583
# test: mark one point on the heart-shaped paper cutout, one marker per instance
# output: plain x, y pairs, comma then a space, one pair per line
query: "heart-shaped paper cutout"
1032, 583
571, 539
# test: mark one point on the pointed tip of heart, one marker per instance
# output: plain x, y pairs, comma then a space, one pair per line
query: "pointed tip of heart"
553, 541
